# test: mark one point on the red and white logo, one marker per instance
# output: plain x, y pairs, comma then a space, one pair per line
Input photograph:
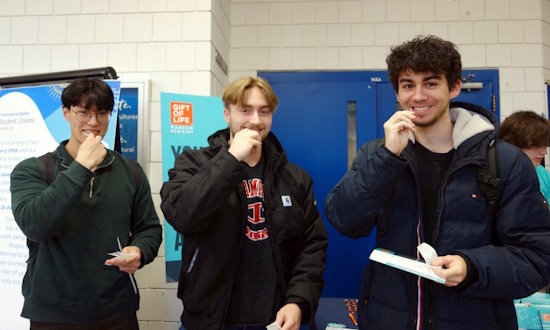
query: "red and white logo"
181, 113
256, 229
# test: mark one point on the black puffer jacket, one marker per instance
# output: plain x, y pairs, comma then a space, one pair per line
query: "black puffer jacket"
204, 200
515, 268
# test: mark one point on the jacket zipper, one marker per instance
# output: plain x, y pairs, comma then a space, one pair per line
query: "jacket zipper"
419, 289
435, 236
192, 263
431, 296
269, 176
431, 305
244, 211
92, 179
430, 312
91, 186
442, 198
272, 240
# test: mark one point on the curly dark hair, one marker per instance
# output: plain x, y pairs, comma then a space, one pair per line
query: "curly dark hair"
425, 54
525, 129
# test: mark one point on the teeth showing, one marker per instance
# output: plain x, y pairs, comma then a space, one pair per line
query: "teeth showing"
419, 108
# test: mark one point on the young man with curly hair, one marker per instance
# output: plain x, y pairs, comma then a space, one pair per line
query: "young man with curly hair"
421, 186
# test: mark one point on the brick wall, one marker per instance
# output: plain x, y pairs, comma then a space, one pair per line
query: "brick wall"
511, 35
172, 43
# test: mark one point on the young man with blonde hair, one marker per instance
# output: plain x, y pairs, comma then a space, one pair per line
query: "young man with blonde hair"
254, 242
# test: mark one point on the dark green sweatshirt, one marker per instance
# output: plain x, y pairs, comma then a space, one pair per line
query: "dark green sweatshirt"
76, 221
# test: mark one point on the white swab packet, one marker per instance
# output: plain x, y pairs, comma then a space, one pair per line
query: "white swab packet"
427, 252
273, 326
119, 254
105, 144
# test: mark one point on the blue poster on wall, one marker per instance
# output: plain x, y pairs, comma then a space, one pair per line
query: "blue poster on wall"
31, 124
128, 121
186, 123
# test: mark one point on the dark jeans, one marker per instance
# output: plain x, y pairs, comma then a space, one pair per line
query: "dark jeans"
128, 322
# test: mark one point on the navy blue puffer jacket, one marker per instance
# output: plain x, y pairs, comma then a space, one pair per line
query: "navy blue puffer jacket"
516, 267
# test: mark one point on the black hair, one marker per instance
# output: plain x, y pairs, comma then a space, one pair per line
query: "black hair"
425, 54
87, 92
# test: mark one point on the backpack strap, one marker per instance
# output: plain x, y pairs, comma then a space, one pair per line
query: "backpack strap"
48, 161
136, 173
488, 180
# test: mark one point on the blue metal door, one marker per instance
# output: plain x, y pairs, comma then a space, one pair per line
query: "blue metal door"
311, 123
322, 119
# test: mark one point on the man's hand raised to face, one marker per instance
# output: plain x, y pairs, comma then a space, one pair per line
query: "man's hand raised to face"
244, 142
396, 131
91, 152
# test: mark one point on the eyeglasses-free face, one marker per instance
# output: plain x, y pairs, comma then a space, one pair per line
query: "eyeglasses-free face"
84, 115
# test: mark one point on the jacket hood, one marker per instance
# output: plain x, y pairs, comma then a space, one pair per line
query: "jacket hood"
469, 120
474, 130
272, 149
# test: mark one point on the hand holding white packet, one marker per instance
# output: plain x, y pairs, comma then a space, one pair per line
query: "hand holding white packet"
273, 326
119, 254
427, 252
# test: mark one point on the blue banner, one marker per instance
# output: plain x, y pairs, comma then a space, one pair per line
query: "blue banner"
187, 122
128, 121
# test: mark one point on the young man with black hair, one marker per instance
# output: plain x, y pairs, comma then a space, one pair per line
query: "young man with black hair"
421, 186
93, 206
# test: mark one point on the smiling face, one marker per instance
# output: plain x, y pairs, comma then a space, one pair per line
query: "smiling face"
426, 94
536, 154
253, 114
96, 124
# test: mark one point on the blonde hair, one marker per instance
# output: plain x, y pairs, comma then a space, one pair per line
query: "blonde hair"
235, 92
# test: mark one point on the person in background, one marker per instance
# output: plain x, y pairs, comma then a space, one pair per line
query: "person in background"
92, 207
254, 242
531, 133
420, 186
